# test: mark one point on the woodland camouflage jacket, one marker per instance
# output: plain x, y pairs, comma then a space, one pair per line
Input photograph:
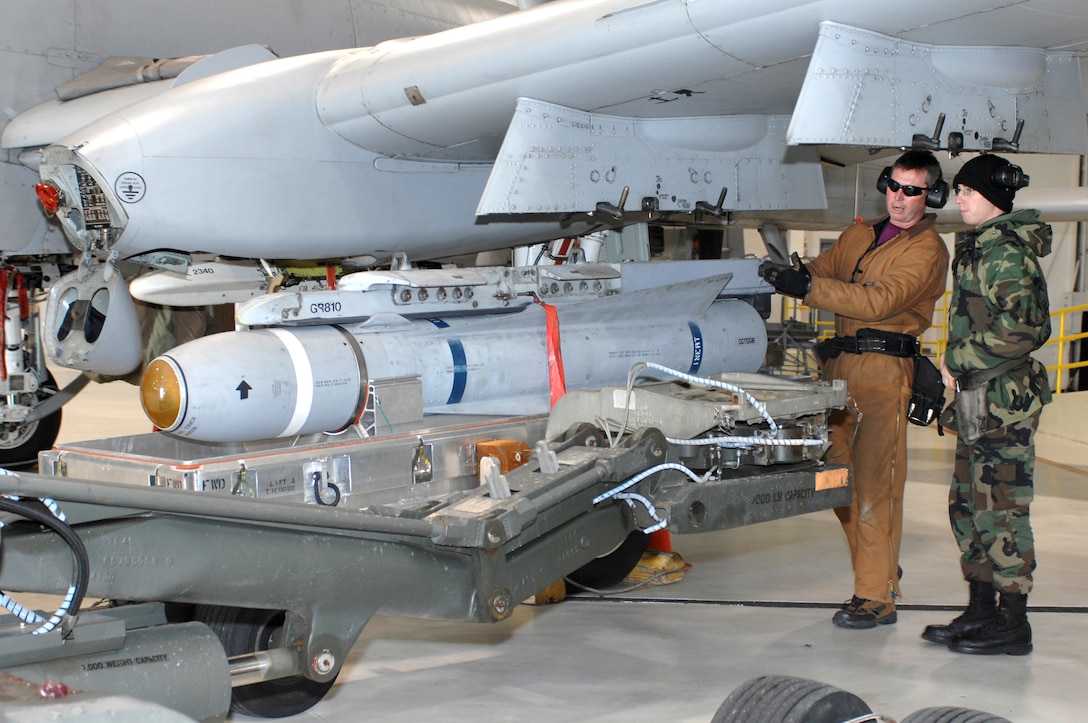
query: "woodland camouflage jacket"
1000, 311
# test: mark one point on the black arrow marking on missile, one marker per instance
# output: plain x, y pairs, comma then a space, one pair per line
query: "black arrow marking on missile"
243, 390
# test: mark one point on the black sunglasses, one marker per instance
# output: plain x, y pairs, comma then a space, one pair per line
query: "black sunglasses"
894, 186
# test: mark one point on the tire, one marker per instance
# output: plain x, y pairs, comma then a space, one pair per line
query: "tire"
245, 630
952, 714
20, 443
785, 699
609, 570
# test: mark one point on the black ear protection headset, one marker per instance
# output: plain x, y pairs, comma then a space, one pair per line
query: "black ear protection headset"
936, 195
1010, 177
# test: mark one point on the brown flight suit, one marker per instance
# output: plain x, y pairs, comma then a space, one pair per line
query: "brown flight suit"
892, 287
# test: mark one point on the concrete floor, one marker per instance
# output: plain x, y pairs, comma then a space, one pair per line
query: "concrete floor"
756, 601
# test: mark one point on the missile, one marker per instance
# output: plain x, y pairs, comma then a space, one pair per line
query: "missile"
279, 382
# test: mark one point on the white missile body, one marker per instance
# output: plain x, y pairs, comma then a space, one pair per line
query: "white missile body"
256, 384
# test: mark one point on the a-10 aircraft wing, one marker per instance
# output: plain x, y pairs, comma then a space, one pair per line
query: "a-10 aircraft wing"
558, 119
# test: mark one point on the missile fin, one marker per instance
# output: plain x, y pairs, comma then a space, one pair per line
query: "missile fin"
691, 297
386, 322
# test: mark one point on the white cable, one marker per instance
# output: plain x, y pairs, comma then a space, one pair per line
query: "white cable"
727, 441
51, 504
643, 475
27, 615
684, 376
24, 614
59, 615
13, 606
746, 442
631, 497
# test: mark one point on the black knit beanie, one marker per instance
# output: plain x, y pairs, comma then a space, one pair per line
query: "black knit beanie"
978, 173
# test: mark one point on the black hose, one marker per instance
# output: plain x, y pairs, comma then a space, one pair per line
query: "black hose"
66, 533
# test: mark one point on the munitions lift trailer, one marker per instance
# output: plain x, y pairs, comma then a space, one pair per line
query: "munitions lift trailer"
264, 591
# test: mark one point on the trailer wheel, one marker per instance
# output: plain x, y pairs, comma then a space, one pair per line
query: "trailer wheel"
20, 442
952, 714
246, 630
609, 569
787, 699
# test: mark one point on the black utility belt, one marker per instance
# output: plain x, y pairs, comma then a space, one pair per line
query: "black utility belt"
981, 377
869, 341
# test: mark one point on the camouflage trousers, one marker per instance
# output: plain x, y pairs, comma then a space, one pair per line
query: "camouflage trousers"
992, 488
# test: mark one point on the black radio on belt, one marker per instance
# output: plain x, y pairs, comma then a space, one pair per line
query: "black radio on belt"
927, 391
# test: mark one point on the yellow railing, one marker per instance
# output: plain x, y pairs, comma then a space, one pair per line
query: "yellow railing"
1061, 339
935, 338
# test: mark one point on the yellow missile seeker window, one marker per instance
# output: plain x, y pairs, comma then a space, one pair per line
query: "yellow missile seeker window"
161, 395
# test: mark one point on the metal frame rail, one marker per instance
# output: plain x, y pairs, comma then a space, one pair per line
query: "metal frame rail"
465, 555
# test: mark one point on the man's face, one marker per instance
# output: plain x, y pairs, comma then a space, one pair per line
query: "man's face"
905, 211
974, 207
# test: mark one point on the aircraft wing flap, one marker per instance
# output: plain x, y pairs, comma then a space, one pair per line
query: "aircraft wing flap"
116, 84
119, 72
562, 160
864, 88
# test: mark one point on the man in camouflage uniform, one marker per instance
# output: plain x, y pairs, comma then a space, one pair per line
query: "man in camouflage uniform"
881, 280
999, 314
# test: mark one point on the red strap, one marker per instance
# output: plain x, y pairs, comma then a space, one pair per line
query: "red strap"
556, 380
3, 323
330, 276
24, 297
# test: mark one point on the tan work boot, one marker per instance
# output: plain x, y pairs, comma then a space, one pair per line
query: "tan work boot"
863, 614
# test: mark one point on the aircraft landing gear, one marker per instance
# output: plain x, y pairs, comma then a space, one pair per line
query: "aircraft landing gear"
21, 440
25, 382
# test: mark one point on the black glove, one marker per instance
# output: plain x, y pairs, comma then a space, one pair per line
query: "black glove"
793, 281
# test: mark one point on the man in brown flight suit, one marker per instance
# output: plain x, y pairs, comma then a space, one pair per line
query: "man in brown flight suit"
882, 282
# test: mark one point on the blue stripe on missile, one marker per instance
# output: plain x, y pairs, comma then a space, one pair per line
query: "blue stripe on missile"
696, 348
460, 365
460, 371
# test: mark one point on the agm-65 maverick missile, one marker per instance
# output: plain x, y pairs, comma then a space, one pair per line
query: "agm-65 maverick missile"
286, 381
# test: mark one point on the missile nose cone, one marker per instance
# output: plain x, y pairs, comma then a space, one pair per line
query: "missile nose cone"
258, 384
162, 394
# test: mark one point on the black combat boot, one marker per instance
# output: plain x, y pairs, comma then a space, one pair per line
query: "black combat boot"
980, 608
1007, 632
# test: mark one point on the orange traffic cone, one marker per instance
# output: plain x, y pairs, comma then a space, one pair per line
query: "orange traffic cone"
661, 541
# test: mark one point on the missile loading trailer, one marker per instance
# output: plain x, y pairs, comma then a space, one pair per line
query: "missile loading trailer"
283, 553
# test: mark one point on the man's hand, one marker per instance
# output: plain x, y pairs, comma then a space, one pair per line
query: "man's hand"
946, 376
793, 281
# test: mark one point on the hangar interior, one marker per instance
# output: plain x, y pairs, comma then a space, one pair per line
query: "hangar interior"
753, 601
